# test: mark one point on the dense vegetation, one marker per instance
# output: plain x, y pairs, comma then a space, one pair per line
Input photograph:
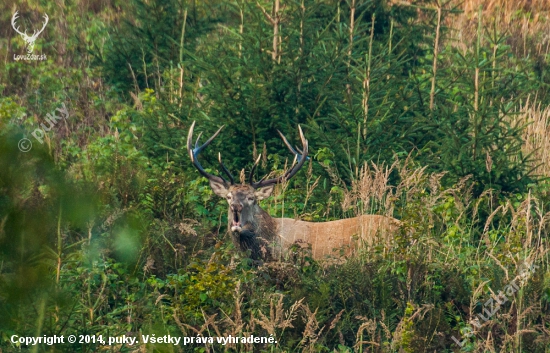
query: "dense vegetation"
433, 112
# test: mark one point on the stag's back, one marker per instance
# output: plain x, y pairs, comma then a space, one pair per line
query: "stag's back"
330, 238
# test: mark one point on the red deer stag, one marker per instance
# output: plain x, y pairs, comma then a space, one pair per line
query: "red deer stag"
267, 238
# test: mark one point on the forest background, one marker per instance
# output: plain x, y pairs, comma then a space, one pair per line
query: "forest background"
433, 112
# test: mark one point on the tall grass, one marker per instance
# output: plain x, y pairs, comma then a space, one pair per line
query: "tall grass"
456, 250
537, 135
526, 22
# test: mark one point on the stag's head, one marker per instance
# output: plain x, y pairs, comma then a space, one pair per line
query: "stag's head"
29, 40
244, 212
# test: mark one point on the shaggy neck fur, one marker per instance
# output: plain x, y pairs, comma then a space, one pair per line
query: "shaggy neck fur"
258, 234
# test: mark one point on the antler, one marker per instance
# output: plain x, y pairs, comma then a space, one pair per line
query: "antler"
35, 34
299, 160
194, 152
224, 168
13, 19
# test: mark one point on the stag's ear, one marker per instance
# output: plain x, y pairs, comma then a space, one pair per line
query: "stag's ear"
263, 192
219, 189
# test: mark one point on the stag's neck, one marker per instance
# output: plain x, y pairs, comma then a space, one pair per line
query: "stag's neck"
266, 225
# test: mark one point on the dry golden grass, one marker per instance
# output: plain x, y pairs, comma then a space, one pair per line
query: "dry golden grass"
512, 235
507, 7
537, 135
525, 22
369, 334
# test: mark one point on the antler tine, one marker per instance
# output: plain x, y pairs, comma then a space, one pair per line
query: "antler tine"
294, 162
204, 145
251, 175
299, 160
287, 143
198, 139
224, 168
194, 152
262, 179
304, 143
13, 19
44, 26
289, 170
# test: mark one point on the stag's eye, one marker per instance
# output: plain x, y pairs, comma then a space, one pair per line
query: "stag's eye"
250, 199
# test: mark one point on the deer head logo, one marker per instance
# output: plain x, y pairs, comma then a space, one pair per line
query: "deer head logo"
29, 40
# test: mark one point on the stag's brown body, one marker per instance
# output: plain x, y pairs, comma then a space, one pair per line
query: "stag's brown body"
267, 238
327, 239
335, 238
